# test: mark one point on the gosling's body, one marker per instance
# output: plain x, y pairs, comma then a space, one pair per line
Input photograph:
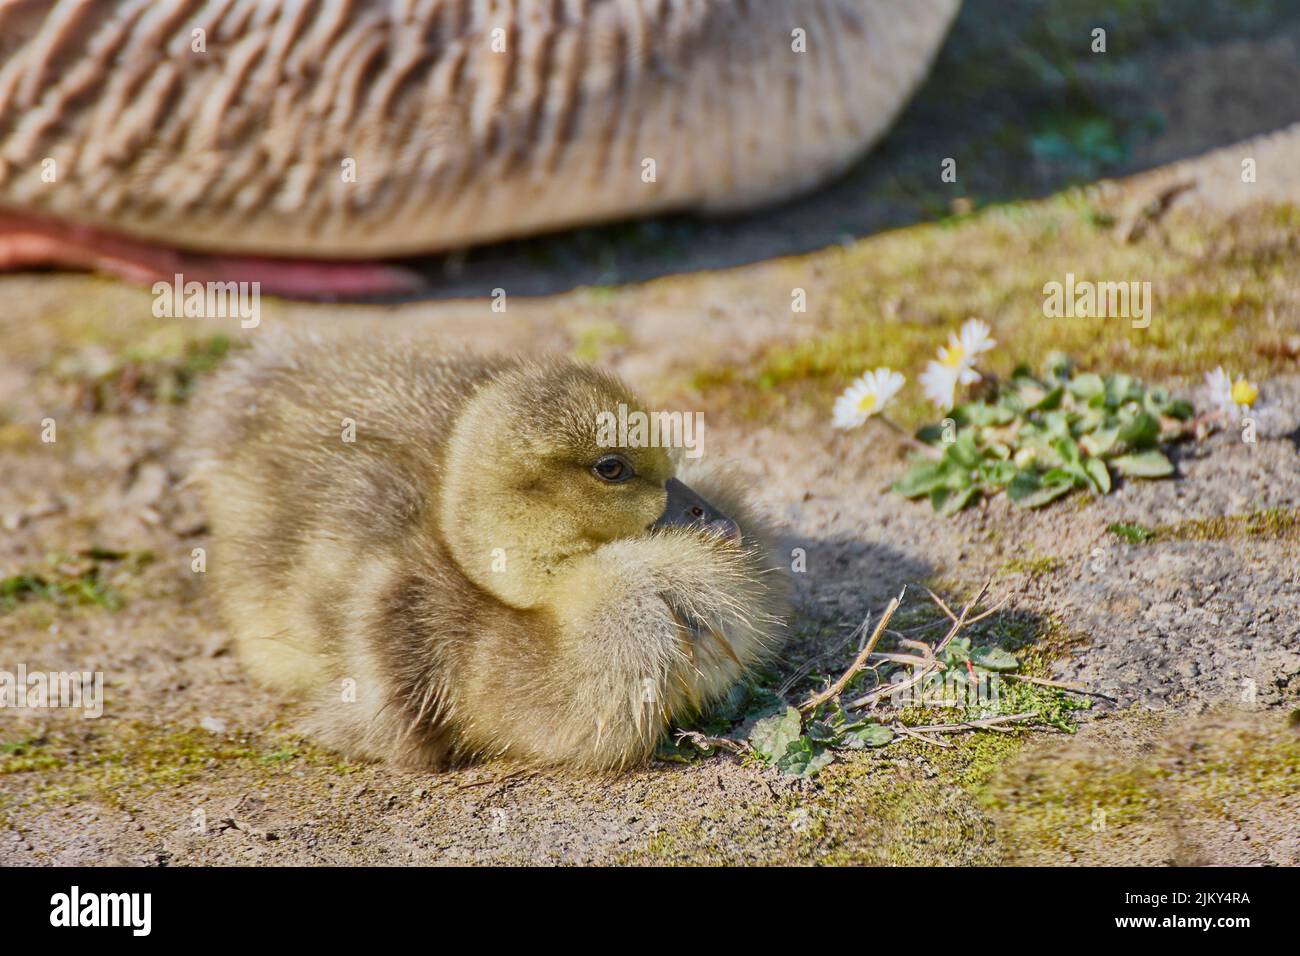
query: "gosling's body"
455, 582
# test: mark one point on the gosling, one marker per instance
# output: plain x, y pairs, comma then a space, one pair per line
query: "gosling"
438, 554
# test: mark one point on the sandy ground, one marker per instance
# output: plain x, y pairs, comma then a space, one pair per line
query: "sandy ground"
1194, 757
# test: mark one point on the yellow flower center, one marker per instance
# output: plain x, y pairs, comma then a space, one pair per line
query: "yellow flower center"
1244, 393
953, 357
867, 402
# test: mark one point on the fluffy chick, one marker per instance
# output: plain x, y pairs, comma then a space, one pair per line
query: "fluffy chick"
436, 553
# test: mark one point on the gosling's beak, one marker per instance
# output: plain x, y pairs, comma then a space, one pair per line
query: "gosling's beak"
686, 509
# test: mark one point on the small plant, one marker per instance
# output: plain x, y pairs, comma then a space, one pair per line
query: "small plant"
1040, 437
908, 686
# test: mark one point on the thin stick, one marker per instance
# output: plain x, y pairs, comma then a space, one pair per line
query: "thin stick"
909, 732
837, 688
1073, 688
921, 646
988, 723
1152, 210
939, 601
901, 658
704, 740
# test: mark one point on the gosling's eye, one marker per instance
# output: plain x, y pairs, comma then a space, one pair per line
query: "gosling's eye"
612, 468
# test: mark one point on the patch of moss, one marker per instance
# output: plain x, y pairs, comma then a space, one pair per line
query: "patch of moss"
86, 588
1101, 803
1130, 532
94, 577
1272, 523
1034, 567
25, 754
166, 367
116, 760
593, 340
908, 805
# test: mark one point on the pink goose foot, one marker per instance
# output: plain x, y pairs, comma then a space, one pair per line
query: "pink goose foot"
29, 241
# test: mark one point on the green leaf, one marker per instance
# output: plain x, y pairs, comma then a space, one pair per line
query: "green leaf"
963, 452
998, 472
994, 659
981, 414
1100, 443
821, 732
1087, 385
1097, 473
872, 735
1068, 450
803, 758
1146, 464
1051, 400
948, 501
772, 735
1029, 491
957, 652
930, 434
1121, 389
677, 751
922, 479
1141, 431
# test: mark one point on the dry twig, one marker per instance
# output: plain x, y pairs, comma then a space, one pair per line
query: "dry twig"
859, 662
1072, 688
988, 723
704, 740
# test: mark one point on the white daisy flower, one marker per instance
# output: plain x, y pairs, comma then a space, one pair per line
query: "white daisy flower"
939, 381
956, 363
960, 353
974, 338
867, 396
1233, 398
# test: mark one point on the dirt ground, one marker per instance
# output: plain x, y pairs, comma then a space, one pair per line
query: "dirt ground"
1191, 756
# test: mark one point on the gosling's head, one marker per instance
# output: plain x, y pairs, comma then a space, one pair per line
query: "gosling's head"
533, 479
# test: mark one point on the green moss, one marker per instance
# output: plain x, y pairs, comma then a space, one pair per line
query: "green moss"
165, 367
86, 588
1270, 523
1034, 567
593, 340
25, 754
1275, 523
911, 805
1130, 532
115, 761
1104, 803
94, 577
